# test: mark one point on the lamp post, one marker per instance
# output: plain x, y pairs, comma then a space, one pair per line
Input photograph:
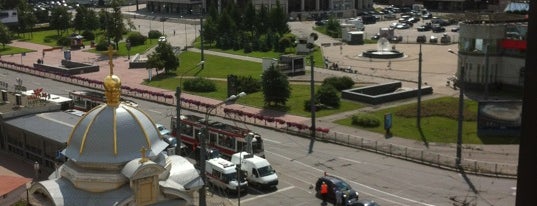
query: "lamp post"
128, 49
203, 136
312, 106
460, 82
36, 171
178, 104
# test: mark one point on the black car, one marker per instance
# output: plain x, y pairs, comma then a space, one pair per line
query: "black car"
350, 196
425, 27
421, 39
438, 29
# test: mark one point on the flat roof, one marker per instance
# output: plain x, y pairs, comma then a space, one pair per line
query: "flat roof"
53, 97
55, 126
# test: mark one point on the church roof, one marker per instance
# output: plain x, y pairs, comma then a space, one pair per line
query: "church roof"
109, 134
63, 192
113, 132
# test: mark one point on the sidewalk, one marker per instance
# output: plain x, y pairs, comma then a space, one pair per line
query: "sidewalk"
434, 74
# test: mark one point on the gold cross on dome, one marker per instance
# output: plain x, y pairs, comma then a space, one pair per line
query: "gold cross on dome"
110, 57
144, 155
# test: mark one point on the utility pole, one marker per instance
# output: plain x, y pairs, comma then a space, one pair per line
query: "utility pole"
418, 123
312, 106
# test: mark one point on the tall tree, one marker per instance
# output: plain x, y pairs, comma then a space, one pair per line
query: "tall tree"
27, 19
60, 19
278, 19
116, 28
163, 58
80, 21
276, 87
92, 21
263, 20
250, 18
5, 35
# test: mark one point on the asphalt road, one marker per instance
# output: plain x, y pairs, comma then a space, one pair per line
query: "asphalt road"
387, 180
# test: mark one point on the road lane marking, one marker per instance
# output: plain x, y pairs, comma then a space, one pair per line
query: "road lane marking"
273, 141
260, 196
354, 161
155, 111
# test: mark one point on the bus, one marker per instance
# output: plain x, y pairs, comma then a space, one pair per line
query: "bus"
226, 139
86, 100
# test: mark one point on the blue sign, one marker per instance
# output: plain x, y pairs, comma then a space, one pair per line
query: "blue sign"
388, 121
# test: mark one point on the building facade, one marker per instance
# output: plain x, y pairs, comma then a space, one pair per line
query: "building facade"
294, 8
493, 55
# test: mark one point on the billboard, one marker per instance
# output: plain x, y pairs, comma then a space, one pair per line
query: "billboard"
499, 118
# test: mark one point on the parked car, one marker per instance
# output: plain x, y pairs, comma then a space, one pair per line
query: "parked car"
455, 29
334, 183
438, 29
402, 26
421, 39
163, 130
162, 39
424, 27
433, 39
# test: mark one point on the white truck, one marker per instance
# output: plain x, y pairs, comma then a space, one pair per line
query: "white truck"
222, 174
258, 170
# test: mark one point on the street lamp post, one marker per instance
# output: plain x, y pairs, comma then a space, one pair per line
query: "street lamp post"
204, 134
178, 104
36, 171
460, 82
128, 49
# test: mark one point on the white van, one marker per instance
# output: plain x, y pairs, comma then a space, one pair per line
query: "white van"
258, 170
223, 174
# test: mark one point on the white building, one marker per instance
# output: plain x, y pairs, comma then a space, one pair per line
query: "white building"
493, 54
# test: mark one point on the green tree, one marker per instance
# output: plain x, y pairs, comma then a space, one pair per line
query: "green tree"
276, 89
116, 27
80, 20
163, 58
5, 35
278, 19
92, 21
333, 28
154, 61
27, 18
328, 95
262, 20
60, 19
210, 31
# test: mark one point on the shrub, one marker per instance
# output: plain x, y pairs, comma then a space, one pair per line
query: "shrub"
340, 83
88, 35
199, 84
248, 84
101, 46
136, 39
327, 95
365, 120
154, 34
63, 41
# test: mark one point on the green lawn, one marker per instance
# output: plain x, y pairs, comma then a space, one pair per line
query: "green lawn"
438, 122
45, 37
317, 54
9, 50
220, 67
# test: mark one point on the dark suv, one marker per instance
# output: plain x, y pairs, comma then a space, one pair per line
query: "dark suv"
350, 196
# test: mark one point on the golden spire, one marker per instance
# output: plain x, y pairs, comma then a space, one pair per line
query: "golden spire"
144, 157
112, 83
